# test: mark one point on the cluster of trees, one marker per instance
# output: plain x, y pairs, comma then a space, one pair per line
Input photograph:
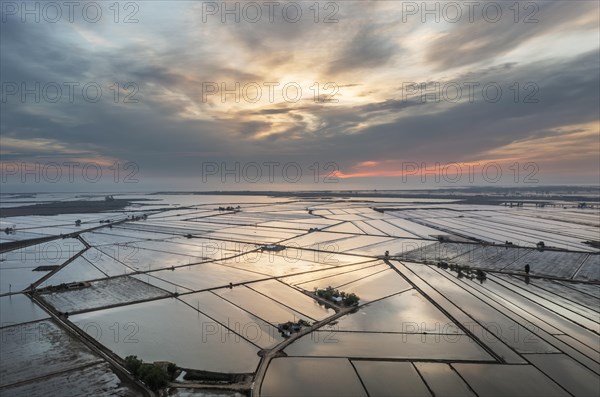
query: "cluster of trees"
138, 217
332, 294
230, 208
293, 326
212, 377
464, 271
155, 376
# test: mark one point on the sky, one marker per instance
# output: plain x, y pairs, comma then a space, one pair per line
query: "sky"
303, 95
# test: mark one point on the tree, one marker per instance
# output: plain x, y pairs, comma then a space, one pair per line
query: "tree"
171, 369
351, 299
133, 364
154, 376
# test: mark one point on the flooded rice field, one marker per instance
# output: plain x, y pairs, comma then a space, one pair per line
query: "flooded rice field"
255, 295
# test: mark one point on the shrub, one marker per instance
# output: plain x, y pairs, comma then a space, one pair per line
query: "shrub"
155, 376
133, 364
351, 300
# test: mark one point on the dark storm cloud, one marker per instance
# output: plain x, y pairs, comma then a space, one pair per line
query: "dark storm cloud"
568, 95
32, 52
485, 38
172, 130
367, 49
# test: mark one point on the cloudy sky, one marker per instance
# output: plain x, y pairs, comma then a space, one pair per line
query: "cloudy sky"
372, 93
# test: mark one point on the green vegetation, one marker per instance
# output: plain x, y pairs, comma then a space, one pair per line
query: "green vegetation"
464, 271
287, 328
66, 207
230, 208
334, 295
351, 300
156, 376
593, 243
212, 377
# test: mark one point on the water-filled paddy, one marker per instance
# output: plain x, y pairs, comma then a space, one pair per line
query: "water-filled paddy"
419, 330
19, 308
308, 376
260, 305
406, 312
206, 275
169, 330
508, 380
293, 298
331, 343
102, 293
37, 349
250, 327
391, 379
